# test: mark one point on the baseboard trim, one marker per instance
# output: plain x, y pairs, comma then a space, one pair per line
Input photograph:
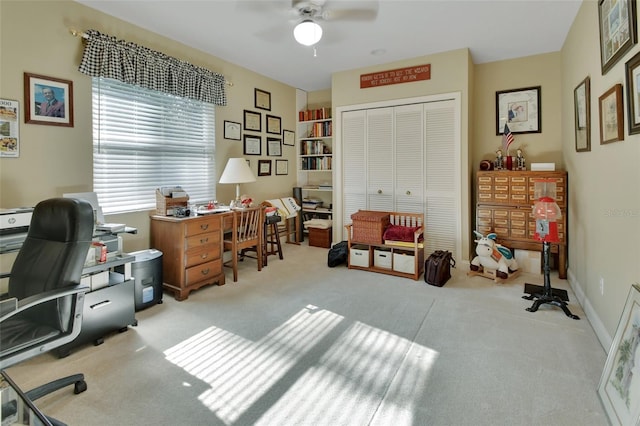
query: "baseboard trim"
598, 327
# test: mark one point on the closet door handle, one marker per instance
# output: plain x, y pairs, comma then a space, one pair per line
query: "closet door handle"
408, 192
379, 191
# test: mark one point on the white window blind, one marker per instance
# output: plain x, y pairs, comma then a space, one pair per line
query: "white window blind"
143, 140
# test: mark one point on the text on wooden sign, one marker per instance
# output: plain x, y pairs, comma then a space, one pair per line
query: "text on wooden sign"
397, 76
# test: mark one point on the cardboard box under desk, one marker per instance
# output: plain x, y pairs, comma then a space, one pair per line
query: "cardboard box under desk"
319, 237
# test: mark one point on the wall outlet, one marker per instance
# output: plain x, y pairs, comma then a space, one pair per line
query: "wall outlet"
601, 286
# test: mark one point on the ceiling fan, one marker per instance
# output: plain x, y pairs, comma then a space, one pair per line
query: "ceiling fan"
308, 31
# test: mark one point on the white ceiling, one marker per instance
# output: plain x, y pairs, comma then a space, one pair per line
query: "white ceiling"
258, 35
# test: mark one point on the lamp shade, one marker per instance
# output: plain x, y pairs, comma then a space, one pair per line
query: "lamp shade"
307, 32
237, 171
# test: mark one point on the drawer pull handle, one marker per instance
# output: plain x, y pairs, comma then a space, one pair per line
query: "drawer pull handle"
204, 255
101, 304
204, 226
205, 271
204, 240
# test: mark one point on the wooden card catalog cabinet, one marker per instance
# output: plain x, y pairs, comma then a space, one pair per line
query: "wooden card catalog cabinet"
505, 200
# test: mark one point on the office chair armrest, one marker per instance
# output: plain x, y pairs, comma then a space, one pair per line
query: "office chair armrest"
8, 305
38, 299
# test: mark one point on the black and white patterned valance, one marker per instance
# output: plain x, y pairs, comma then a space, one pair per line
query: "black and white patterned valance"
105, 56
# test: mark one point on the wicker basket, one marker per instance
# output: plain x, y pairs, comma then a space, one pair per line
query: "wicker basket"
165, 205
368, 226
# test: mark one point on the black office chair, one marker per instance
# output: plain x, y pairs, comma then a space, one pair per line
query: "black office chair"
44, 306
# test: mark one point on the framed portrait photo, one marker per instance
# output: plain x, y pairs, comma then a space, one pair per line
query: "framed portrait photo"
282, 167
252, 145
620, 378
232, 130
252, 121
611, 115
520, 108
582, 113
48, 100
288, 138
274, 147
274, 125
264, 167
262, 99
632, 71
618, 30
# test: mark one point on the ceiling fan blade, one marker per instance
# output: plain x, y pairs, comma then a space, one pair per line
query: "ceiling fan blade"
349, 15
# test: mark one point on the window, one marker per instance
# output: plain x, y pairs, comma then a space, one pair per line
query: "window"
143, 140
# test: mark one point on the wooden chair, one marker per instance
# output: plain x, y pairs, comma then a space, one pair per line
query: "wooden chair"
246, 232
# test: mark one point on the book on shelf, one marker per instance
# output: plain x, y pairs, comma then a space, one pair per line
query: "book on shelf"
314, 114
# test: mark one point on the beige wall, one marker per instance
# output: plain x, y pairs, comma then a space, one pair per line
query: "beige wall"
604, 185
55, 160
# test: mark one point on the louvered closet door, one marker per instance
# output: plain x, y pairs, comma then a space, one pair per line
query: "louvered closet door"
380, 149
354, 164
409, 159
442, 171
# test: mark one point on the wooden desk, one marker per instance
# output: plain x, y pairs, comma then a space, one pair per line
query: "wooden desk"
192, 251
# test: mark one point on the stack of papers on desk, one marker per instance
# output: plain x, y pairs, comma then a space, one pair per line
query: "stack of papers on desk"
111, 227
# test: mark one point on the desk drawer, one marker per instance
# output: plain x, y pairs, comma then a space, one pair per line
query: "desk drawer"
202, 225
202, 255
198, 241
203, 272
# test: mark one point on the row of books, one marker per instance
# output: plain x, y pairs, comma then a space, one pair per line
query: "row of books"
321, 129
314, 114
314, 147
315, 163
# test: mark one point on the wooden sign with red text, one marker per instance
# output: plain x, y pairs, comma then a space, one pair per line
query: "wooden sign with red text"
397, 76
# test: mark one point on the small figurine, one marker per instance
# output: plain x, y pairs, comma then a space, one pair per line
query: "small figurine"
499, 163
520, 161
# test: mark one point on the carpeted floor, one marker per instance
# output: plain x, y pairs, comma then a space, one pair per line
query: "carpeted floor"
303, 344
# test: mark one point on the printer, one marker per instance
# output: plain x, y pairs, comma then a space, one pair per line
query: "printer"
14, 224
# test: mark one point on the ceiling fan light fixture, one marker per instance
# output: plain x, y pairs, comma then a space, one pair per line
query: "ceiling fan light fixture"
307, 32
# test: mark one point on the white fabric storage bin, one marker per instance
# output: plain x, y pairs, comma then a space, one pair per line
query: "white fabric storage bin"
382, 258
359, 256
404, 262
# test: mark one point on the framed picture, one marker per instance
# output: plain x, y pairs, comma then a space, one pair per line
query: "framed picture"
48, 100
288, 138
274, 147
620, 378
252, 145
618, 30
9, 128
582, 112
273, 125
232, 130
611, 115
252, 121
632, 68
263, 99
282, 167
264, 167
520, 108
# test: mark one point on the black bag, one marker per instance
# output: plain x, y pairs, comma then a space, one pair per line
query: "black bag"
437, 267
337, 254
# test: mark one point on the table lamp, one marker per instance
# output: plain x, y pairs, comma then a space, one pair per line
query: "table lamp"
237, 171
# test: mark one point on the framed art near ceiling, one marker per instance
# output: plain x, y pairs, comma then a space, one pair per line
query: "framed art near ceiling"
274, 147
620, 380
520, 108
274, 125
632, 71
252, 145
282, 167
288, 138
48, 100
264, 167
252, 121
232, 130
262, 99
9, 128
582, 113
618, 30
611, 115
